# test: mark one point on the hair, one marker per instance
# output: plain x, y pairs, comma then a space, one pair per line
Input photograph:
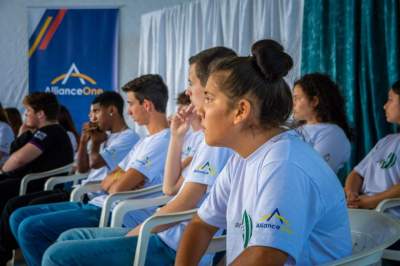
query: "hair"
14, 117
205, 58
183, 99
331, 104
3, 115
65, 120
149, 87
43, 101
110, 98
396, 87
259, 78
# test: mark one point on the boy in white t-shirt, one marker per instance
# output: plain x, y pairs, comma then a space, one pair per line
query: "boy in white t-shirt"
191, 187
279, 201
37, 227
377, 176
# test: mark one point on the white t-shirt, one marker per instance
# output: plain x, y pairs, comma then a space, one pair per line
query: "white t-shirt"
330, 141
207, 163
283, 196
148, 157
113, 150
381, 167
6, 138
191, 143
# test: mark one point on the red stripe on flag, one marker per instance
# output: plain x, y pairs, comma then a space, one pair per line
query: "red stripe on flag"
52, 29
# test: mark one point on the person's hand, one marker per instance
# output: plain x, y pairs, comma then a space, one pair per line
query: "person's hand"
352, 199
24, 128
97, 136
85, 136
180, 122
367, 202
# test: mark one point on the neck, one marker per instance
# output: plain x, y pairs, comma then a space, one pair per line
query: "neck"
249, 141
313, 120
157, 123
46, 123
118, 126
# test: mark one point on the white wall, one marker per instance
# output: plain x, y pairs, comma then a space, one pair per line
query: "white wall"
14, 39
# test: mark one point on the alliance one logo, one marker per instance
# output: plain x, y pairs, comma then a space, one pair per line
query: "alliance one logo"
73, 72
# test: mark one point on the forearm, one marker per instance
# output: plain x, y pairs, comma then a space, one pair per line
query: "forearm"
173, 169
374, 200
197, 232
82, 158
95, 159
110, 179
353, 182
12, 164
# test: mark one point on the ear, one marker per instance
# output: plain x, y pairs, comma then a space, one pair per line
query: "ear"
40, 114
148, 105
112, 110
242, 111
315, 102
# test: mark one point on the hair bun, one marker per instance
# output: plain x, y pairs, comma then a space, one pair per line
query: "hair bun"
270, 58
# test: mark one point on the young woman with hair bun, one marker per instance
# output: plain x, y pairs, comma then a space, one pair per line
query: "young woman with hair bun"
279, 201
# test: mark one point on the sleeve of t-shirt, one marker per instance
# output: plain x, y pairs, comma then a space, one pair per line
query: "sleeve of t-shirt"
213, 209
285, 209
334, 148
5, 140
362, 166
41, 140
206, 164
117, 149
150, 161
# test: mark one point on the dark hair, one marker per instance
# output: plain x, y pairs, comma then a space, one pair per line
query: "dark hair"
65, 120
259, 78
43, 101
183, 99
331, 105
150, 87
205, 58
396, 87
3, 115
14, 117
110, 98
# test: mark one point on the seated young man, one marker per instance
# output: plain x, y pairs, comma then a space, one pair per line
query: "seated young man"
42, 145
37, 227
377, 176
97, 245
105, 153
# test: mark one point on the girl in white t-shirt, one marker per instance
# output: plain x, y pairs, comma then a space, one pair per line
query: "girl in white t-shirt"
377, 176
278, 200
6, 136
318, 107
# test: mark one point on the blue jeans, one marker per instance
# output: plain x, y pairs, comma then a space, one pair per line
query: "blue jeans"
37, 227
104, 246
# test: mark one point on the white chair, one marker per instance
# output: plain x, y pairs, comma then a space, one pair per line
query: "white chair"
383, 206
112, 199
371, 233
75, 179
36, 176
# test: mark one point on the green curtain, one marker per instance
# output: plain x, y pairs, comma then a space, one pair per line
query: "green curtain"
357, 43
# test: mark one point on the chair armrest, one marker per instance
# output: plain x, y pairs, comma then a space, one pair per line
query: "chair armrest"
125, 206
78, 192
387, 203
53, 181
36, 176
111, 199
217, 244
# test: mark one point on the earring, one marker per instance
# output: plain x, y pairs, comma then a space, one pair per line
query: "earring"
111, 114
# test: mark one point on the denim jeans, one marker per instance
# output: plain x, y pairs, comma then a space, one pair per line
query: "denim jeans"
37, 227
104, 246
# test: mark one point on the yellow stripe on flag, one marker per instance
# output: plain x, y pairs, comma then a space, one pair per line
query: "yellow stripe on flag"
40, 35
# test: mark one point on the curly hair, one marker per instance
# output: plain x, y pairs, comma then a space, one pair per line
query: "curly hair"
331, 104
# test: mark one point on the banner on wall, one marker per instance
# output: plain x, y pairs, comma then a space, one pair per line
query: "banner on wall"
73, 53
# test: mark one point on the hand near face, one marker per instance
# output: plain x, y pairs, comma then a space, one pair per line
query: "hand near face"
98, 136
85, 136
180, 122
24, 128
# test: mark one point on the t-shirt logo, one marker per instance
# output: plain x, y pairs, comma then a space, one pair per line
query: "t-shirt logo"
247, 228
187, 151
206, 169
40, 135
388, 162
145, 162
274, 221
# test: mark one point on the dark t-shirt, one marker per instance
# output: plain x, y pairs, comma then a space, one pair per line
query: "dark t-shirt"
56, 149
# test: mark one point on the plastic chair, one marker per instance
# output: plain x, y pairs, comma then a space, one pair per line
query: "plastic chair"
112, 199
53, 181
371, 233
384, 205
36, 176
